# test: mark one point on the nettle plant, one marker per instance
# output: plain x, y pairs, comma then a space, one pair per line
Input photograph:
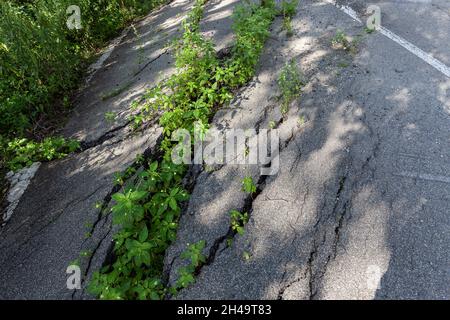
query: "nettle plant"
149, 210
238, 221
288, 10
187, 273
22, 152
148, 214
290, 82
248, 186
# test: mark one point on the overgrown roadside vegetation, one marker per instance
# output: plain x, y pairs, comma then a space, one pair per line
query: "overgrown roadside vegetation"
41, 62
288, 10
148, 211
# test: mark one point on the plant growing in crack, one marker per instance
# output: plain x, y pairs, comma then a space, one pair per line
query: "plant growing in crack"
201, 84
238, 221
246, 255
290, 82
342, 41
86, 254
272, 124
369, 30
186, 274
248, 186
288, 10
110, 116
301, 121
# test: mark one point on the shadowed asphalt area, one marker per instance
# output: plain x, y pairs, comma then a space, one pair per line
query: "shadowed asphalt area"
360, 206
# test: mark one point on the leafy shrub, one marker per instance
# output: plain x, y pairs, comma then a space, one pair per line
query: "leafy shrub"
41, 61
41, 58
201, 84
290, 82
238, 221
23, 152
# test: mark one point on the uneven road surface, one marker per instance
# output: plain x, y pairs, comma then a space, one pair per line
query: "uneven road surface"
360, 208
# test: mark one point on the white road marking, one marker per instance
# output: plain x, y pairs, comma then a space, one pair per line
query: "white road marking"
424, 176
19, 183
428, 58
349, 11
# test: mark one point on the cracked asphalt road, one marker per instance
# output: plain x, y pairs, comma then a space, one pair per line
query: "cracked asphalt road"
359, 210
360, 207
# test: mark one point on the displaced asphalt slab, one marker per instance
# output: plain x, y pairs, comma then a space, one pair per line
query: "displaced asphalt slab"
57, 219
360, 208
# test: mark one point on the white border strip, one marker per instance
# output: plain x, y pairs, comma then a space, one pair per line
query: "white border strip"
424, 176
428, 58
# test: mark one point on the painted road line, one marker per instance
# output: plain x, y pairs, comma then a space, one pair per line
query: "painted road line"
428, 58
424, 176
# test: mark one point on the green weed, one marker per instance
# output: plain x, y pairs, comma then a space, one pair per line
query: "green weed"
288, 10
148, 211
110, 116
290, 82
248, 185
341, 41
238, 221
20, 153
187, 274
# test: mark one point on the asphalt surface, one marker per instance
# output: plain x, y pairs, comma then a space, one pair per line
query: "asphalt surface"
360, 208
57, 219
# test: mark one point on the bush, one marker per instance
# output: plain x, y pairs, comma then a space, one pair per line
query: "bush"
41, 59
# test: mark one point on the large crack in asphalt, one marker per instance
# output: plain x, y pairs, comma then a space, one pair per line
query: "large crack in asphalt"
348, 184
153, 153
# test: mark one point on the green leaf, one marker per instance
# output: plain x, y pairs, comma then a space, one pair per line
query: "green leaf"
154, 166
143, 235
173, 204
138, 195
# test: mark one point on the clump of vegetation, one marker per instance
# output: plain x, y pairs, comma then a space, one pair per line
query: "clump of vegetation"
238, 221
41, 60
22, 153
110, 116
148, 211
248, 186
369, 30
187, 273
288, 10
341, 41
290, 82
